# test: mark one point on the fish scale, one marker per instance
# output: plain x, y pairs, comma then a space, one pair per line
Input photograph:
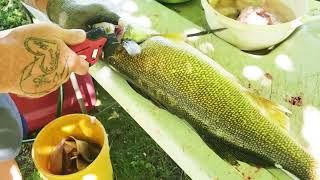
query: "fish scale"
211, 100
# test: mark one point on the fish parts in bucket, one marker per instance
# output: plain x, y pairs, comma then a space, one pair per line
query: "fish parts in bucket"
191, 85
72, 155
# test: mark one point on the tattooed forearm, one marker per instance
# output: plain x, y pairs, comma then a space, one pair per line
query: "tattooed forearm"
44, 71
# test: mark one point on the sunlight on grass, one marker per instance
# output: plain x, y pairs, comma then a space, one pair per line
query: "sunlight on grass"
114, 115
284, 62
310, 131
98, 103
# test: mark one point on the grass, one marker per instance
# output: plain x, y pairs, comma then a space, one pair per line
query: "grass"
134, 154
25, 163
11, 14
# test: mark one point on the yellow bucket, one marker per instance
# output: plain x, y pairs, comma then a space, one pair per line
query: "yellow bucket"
80, 126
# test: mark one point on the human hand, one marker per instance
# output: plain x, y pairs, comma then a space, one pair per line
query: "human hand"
78, 13
37, 59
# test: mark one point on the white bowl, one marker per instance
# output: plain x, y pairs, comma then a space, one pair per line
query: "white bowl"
256, 37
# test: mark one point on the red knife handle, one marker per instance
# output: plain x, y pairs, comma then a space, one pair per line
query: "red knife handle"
90, 49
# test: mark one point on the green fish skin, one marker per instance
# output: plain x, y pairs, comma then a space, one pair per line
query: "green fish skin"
194, 87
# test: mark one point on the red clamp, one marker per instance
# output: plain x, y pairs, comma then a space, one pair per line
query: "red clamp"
91, 50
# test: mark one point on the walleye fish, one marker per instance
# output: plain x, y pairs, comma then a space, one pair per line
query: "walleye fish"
191, 85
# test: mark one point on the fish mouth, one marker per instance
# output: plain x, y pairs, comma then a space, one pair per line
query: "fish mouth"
114, 32
109, 25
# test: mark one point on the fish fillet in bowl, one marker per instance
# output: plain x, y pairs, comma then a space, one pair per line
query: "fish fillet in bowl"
256, 24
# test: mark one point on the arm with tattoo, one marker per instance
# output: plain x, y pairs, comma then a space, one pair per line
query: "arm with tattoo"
37, 59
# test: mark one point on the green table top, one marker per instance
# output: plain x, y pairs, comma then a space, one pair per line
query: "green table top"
293, 66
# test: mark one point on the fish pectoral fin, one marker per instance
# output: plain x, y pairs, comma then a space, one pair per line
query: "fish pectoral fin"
272, 111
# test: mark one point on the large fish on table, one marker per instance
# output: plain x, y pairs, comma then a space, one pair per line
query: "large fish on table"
192, 86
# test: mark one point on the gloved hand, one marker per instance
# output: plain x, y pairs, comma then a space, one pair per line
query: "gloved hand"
37, 59
78, 13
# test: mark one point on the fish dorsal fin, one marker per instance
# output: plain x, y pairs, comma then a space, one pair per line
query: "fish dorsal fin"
272, 111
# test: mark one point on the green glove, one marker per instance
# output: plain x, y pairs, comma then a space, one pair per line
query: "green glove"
77, 14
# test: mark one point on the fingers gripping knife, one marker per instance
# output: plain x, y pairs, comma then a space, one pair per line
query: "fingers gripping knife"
91, 50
